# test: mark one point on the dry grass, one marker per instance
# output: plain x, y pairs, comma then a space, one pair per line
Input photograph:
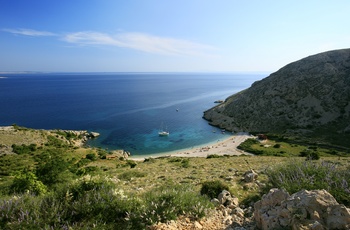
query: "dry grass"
170, 171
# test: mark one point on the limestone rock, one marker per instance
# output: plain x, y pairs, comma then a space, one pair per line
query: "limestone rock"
316, 209
94, 134
223, 196
250, 176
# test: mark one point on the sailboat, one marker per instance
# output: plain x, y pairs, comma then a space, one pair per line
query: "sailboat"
163, 132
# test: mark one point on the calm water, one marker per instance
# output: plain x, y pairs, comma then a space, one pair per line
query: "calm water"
127, 109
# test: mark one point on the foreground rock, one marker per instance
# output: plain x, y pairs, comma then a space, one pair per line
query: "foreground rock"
315, 209
305, 97
309, 210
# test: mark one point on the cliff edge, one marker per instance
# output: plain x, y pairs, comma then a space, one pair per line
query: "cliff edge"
309, 98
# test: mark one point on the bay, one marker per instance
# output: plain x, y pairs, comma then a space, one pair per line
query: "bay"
127, 109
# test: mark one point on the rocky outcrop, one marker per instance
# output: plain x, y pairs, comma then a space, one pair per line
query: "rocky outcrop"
308, 210
303, 97
315, 209
74, 137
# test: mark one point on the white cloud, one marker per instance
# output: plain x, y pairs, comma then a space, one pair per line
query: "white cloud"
136, 41
29, 32
142, 42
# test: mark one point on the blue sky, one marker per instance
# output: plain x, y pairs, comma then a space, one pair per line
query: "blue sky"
167, 36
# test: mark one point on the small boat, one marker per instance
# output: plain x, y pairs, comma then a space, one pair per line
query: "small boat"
163, 132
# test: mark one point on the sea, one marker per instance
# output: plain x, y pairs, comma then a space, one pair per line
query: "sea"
127, 109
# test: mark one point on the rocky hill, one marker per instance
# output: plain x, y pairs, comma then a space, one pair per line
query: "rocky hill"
308, 98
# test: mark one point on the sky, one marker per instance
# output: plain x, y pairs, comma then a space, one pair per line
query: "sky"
167, 35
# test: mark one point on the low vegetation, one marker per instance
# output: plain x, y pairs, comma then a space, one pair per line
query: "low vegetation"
50, 184
297, 175
279, 146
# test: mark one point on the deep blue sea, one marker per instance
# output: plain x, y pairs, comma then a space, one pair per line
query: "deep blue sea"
127, 109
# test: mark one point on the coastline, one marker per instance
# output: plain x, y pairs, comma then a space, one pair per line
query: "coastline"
227, 146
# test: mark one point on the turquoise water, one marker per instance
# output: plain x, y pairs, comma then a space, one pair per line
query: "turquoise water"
127, 109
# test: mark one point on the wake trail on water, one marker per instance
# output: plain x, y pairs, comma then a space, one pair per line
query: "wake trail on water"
169, 104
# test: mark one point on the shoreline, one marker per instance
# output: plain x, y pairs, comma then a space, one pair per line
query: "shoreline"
224, 146
227, 146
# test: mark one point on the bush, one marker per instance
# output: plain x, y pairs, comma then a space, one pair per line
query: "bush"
91, 156
88, 183
51, 168
55, 142
183, 162
295, 176
95, 203
26, 181
23, 149
214, 156
102, 153
150, 160
277, 146
131, 163
310, 155
213, 188
167, 203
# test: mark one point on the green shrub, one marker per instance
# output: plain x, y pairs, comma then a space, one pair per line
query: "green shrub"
175, 159
310, 155
213, 188
167, 203
295, 176
277, 146
88, 183
51, 168
102, 153
185, 163
91, 156
131, 163
55, 142
150, 160
23, 149
26, 181
214, 156
82, 162
86, 170
182, 161
95, 203
67, 135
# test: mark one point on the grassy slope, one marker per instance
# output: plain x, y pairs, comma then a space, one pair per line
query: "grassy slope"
156, 172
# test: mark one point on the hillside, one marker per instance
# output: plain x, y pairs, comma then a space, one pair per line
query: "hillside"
309, 98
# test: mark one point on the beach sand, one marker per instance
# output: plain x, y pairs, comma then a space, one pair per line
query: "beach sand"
227, 146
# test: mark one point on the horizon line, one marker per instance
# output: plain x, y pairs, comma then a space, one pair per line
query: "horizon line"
135, 72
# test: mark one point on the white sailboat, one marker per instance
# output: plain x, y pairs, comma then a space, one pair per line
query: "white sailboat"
163, 132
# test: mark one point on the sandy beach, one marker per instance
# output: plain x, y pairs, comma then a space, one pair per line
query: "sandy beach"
227, 146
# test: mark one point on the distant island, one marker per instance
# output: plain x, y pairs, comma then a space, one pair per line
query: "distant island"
308, 99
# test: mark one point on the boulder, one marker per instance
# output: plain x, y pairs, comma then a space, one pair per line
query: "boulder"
223, 196
94, 134
250, 176
316, 209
